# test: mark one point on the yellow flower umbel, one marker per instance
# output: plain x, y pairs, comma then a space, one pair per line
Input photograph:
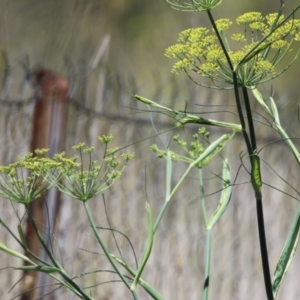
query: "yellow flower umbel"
85, 180
26, 180
261, 45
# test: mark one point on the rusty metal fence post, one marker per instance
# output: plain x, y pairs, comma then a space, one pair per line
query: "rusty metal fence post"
48, 131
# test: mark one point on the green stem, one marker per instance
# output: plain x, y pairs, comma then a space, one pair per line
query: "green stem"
250, 119
62, 272
35, 267
250, 146
202, 198
256, 184
264, 249
211, 19
207, 265
105, 250
22, 245
293, 236
168, 197
150, 290
210, 149
288, 141
272, 111
235, 83
240, 113
147, 250
160, 215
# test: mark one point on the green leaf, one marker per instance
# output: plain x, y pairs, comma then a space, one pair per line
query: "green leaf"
225, 197
168, 175
274, 110
184, 118
13, 253
261, 100
44, 269
213, 149
287, 253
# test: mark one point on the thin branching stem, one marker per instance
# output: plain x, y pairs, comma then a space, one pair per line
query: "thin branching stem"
76, 288
108, 255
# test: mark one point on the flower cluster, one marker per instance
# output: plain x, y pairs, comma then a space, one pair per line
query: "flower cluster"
26, 179
261, 45
31, 176
82, 182
192, 150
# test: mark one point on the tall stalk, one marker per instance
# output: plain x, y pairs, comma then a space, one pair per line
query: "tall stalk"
256, 184
254, 160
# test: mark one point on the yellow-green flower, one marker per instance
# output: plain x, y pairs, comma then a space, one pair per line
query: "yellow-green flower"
238, 37
271, 18
182, 65
209, 69
31, 176
88, 178
280, 44
297, 37
214, 54
223, 24
263, 67
249, 17
258, 25
26, 180
261, 44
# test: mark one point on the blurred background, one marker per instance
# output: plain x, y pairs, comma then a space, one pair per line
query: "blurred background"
111, 50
